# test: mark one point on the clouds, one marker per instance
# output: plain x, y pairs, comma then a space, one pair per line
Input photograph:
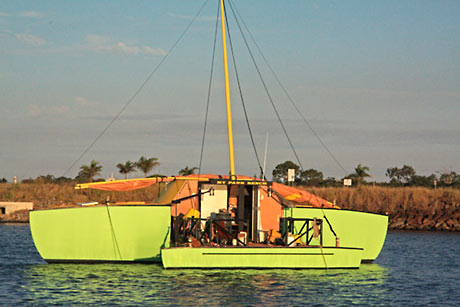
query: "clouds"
33, 111
69, 109
31, 14
104, 44
97, 44
30, 39
152, 51
82, 101
190, 17
26, 14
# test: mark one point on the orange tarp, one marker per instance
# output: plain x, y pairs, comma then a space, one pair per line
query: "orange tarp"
121, 185
289, 193
300, 196
131, 184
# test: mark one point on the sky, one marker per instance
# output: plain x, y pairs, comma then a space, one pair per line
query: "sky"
379, 81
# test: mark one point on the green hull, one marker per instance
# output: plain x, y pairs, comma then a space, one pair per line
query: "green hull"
354, 229
261, 258
101, 234
137, 233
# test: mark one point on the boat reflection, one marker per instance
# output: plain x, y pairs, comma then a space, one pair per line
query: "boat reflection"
150, 284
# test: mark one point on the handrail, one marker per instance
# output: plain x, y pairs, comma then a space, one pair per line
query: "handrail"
184, 228
287, 224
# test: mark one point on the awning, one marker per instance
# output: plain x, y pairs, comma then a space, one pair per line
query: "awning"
301, 196
298, 196
132, 184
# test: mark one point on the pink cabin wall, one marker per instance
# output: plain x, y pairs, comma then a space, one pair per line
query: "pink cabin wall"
270, 212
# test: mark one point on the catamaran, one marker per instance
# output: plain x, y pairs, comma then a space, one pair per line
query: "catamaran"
211, 221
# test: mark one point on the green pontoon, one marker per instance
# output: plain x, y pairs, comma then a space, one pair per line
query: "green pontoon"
349, 228
262, 258
101, 233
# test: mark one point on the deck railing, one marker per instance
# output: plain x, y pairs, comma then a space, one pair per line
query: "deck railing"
311, 228
208, 232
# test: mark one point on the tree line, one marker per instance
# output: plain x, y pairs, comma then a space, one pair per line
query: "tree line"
88, 173
398, 176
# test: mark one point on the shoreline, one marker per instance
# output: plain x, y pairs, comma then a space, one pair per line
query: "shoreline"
389, 228
408, 208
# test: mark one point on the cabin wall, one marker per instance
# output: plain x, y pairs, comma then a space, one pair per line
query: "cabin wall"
270, 211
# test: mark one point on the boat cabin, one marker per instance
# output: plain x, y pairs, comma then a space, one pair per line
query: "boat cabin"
229, 214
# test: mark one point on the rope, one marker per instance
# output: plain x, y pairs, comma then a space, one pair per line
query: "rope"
138, 90
114, 237
209, 91
241, 93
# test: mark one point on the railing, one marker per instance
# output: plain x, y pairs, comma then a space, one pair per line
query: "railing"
313, 226
208, 232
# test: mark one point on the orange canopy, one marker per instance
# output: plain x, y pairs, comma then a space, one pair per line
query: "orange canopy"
131, 184
300, 196
296, 195
139, 183
119, 185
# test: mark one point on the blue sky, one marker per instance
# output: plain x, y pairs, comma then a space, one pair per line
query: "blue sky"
378, 80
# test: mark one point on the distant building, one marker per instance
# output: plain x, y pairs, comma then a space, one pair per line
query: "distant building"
7, 207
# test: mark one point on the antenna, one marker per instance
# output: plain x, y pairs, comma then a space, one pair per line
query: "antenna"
265, 155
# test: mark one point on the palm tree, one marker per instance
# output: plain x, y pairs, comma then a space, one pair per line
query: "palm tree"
361, 173
187, 171
126, 168
146, 165
90, 171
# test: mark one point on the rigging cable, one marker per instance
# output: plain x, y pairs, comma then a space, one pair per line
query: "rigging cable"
289, 96
241, 93
209, 91
265, 87
114, 237
139, 89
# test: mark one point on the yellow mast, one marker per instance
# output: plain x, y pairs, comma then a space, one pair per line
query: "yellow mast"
227, 93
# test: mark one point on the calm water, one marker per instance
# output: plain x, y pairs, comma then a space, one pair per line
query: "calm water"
413, 269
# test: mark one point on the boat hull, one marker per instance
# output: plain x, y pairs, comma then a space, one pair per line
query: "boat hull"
101, 233
353, 228
261, 258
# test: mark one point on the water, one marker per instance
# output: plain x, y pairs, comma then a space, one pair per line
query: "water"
414, 268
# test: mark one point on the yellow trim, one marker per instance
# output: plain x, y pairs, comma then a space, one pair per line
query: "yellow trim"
227, 93
129, 203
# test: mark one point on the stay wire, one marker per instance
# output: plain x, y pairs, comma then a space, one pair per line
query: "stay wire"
209, 90
139, 89
289, 96
114, 237
241, 93
266, 89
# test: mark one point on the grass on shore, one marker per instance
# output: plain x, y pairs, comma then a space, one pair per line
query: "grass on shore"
407, 207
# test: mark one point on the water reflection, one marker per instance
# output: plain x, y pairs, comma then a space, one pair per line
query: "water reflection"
150, 284
414, 267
